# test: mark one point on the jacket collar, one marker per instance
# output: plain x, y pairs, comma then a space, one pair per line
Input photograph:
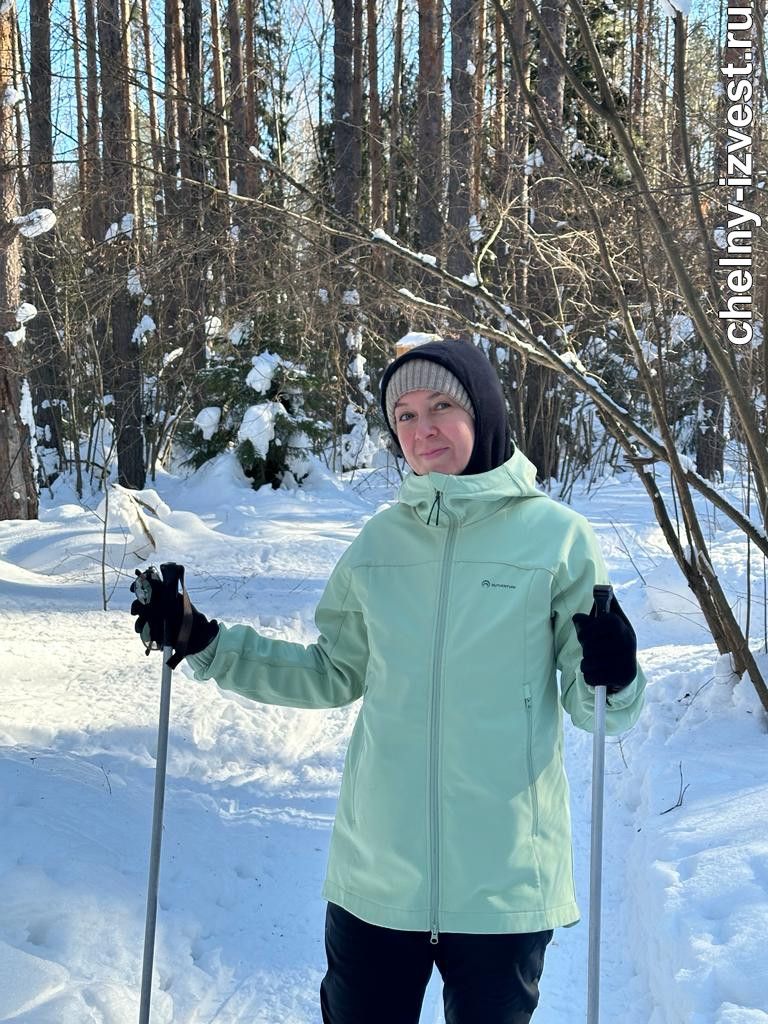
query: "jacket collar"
469, 498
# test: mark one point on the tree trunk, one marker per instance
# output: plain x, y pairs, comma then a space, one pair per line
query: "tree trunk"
18, 496
710, 442
237, 97
478, 127
116, 120
249, 55
45, 356
636, 86
430, 133
356, 152
80, 105
459, 253
347, 165
194, 213
541, 402
346, 133
94, 198
154, 124
375, 147
220, 125
393, 179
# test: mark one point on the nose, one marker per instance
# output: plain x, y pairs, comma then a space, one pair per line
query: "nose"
425, 427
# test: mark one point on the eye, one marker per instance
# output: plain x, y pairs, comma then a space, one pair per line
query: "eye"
442, 402
400, 418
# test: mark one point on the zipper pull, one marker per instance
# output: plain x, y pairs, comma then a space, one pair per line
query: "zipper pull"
438, 495
433, 936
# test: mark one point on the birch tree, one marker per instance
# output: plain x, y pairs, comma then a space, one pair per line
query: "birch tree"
18, 494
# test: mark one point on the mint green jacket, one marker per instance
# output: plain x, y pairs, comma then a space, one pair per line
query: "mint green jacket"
448, 615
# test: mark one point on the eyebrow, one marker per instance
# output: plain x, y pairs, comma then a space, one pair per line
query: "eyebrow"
433, 395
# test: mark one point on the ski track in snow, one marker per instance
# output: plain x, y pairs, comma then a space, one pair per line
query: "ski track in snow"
251, 789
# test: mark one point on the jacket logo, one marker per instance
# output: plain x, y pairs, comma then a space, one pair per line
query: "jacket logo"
499, 586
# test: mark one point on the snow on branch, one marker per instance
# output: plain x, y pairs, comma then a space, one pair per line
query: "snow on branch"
30, 225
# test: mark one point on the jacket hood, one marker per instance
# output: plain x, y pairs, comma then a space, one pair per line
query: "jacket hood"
469, 497
493, 437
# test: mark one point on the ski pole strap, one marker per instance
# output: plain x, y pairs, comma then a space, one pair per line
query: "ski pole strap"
173, 577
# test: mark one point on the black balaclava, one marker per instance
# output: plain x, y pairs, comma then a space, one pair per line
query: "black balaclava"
493, 438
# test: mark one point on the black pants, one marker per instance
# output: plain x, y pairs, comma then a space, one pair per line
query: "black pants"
379, 975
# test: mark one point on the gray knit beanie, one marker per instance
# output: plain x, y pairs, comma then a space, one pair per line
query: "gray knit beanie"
416, 374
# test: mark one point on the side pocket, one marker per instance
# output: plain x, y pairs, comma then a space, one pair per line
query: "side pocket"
355, 769
529, 752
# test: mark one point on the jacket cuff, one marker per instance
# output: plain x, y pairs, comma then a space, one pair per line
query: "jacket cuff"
200, 663
624, 697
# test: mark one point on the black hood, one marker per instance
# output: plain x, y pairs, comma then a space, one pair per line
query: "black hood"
493, 437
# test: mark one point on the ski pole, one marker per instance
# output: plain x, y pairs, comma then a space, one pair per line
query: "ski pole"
602, 594
172, 575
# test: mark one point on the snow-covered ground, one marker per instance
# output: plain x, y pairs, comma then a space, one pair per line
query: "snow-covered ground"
251, 789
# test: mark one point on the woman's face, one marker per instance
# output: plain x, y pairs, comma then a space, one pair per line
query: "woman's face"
436, 434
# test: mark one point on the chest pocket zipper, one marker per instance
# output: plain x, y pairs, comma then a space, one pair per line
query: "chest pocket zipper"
529, 753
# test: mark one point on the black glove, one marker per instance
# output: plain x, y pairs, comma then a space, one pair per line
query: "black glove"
609, 645
154, 609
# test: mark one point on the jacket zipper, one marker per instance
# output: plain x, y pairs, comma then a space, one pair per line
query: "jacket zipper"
435, 730
529, 750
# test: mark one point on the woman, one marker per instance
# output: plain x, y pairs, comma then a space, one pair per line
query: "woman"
448, 615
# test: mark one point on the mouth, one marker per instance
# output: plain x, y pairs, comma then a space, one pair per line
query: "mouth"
433, 454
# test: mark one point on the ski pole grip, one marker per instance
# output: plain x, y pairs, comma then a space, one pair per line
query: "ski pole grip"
602, 595
173, 578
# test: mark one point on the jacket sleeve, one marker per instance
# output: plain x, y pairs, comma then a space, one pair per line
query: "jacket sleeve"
580, 569
325, 674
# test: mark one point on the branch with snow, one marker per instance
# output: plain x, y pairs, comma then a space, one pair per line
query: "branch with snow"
30, 225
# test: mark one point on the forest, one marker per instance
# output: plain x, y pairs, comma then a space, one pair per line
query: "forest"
219, 219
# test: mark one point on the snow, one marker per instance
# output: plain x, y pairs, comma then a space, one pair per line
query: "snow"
533, 160
265, 366
145, 326
12, 96
207, 421
251, 789
125, 227
238, 332
351, 297
134, 282
258, 425
172, 356
27, 417
36, 223
212, 326
16, 337
356, 368
572, 359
